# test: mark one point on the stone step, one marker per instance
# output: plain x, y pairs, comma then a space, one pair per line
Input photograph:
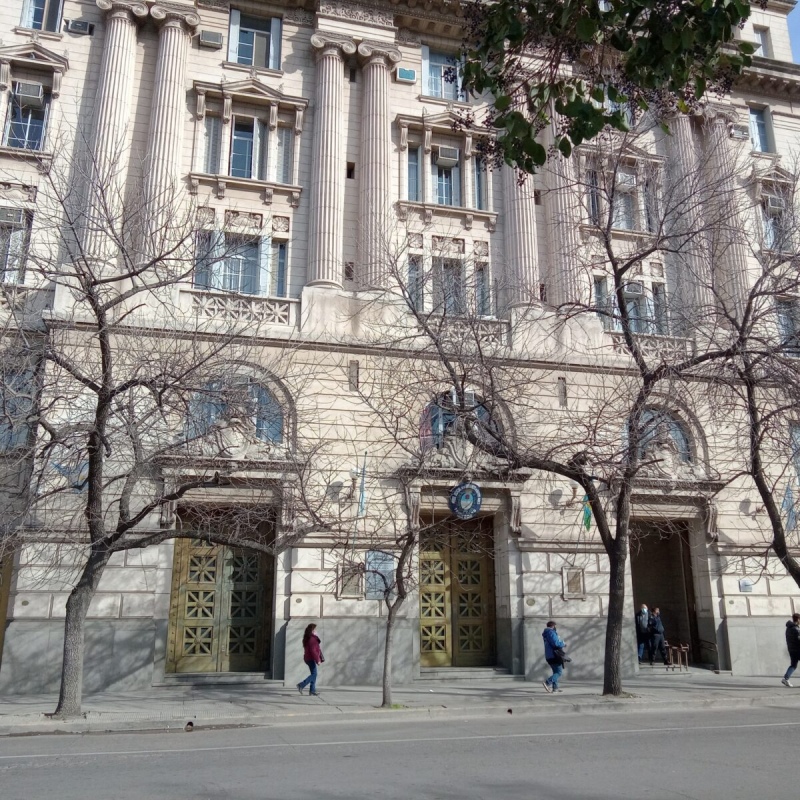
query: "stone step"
218, 679
467, 674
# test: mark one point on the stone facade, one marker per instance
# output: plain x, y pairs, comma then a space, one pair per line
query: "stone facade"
345, 107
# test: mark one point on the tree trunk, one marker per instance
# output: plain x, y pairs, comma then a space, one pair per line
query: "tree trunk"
612, 679
387, 653
71, 691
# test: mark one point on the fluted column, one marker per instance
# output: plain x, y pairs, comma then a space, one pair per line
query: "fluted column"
110, 125
327, 183
375, 164
522, 264
168, 107
730, 250
691, 285
564, 232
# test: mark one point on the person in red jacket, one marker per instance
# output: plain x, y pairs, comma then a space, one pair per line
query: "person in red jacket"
312, 655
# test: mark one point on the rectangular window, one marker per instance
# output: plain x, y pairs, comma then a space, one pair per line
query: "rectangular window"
444, 186
254, 41
603, 302
572, 582
415, 282
788, 327
15, 228
285, 160
481, 188
27, 116
414, 183
212, 136
593, 196
636, 316
624, 210
379, 575
794, 434
351, 579
763, 44
449, 294
660, 320
759, 132
443, 76
227, 262
17, 392
278, 270
248, 149
651, 206
41, 15
773, 211
483, 299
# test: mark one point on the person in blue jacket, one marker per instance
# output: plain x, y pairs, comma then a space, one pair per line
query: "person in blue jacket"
552, 642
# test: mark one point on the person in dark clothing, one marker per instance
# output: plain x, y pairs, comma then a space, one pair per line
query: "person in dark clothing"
642, 634
655, 628
793, 646
552, 643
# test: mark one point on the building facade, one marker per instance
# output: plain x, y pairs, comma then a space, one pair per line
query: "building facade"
320, 143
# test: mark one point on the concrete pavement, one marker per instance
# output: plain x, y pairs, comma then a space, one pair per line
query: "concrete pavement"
169, 708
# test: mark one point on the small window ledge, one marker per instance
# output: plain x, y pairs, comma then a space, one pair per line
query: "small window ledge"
266, 72
588, 230
430, 211
268, 189
30, 33
444, 102
43, 157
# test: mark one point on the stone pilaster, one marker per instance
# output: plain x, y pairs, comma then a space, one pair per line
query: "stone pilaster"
522, 263
375, 164
168, 106
564, 206
691, 278
327, 182
730, 250
110, 124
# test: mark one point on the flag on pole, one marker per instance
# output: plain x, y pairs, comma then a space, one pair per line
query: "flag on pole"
362, 492
788, 507
587, 513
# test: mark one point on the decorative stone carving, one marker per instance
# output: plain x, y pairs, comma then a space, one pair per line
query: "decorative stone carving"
481, 249
206, 216
407, 36
710, 516
268, 195
280, 224
664, 461
224, 308
17, 192
166, 517
468, 220
298, 121
324, 42
414, 505
173, 14
403, 136
294, 199
200, 111
299, 16
131, 7
243, 220
379, 50
415, 241
339, 8
515, 516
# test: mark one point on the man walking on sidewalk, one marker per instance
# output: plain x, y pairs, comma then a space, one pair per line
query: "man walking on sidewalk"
793, 646
553, 654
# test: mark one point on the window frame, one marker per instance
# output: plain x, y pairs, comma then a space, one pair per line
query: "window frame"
760, 127
13, 104
7, 232
15, 436
49, 17
442, 62
269, 27
377, 564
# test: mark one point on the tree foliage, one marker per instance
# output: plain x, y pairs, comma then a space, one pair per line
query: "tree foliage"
585, 64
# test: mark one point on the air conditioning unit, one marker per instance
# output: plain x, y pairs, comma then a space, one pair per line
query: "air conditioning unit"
741, 132
29, 93
448, 157
12, 216
405, 75
626, 179
210, 39
634, 288
775, 203
80, 27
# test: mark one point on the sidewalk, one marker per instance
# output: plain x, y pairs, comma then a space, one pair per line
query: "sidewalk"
170, 708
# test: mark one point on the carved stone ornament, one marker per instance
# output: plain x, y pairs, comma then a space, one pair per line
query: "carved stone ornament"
299, 16
268, 195
403, 136
175, 15
166, 517
124, 7
206, 216
515, 517
710, 516
481, 249
457, 453
338, 8
415, 503
326, 42
243, 220
407, 36
201, 104
372, 51
280, 224
665, 461
17, 192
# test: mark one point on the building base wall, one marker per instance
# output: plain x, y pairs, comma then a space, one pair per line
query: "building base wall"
757, 646
119, 656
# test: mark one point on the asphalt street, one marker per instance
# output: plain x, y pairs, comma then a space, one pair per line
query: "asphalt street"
735, 755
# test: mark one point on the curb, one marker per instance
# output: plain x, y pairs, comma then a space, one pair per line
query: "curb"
118, 723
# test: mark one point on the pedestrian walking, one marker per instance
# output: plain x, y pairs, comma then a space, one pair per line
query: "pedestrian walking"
554, 655
312, 655
642, 631
656, 628
793, 646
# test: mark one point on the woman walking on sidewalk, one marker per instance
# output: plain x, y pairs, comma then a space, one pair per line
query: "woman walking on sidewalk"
312, 655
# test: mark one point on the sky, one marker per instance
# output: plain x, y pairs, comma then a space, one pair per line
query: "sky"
794, 32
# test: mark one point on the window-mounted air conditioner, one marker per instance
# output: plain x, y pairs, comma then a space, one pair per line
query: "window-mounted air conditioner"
210, 39
12, 216
29, 93
634, 287
448, 157
405, 75
741, 132
80, 27
775, 203
626, 179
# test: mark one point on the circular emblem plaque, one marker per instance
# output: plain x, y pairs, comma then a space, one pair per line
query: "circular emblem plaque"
465, 500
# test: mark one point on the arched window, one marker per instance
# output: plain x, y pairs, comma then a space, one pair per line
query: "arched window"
441, 416
242, 397
661, 426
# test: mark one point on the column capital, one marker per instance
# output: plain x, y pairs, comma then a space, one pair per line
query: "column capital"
332, 44
175, 16
127, 9
371, 52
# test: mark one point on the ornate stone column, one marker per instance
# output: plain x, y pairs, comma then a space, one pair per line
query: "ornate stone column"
110, 124
691, 276
375, 185
522, 264
327, 181
169, 106
729, 248
567, 286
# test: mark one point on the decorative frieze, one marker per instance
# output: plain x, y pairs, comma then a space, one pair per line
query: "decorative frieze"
356, 11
